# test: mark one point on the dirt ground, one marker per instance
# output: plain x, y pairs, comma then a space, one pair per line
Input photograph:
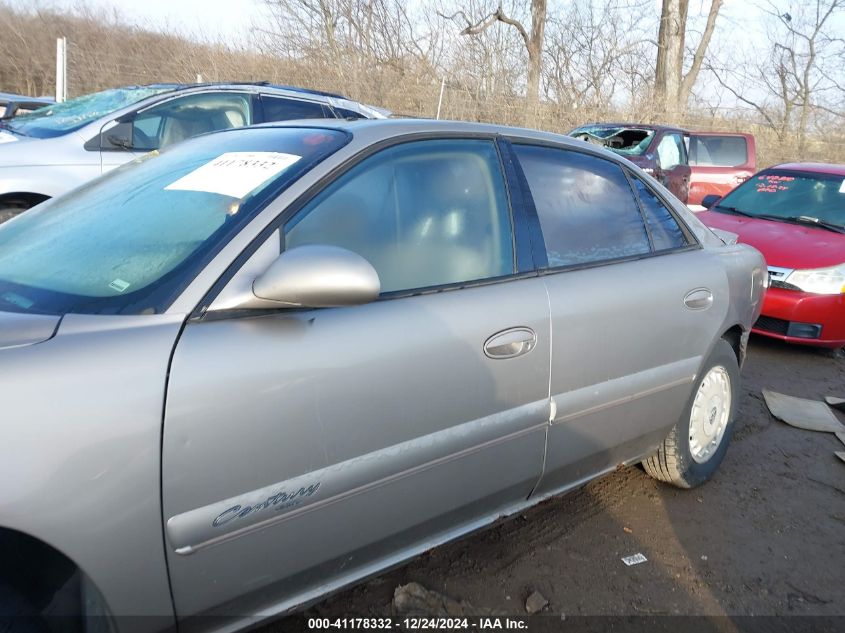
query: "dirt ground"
765, 537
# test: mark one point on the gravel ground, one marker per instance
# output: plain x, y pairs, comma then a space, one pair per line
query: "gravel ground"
765, 537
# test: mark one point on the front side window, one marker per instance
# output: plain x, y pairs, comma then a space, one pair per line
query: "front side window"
281, 109
671, 151
130, 241
666, 233
425, 213
61, 118
184, 117
587, 210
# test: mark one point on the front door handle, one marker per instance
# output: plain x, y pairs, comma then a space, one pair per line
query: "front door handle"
698, 299
510, 343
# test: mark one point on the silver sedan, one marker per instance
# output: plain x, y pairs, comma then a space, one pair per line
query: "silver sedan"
273, 361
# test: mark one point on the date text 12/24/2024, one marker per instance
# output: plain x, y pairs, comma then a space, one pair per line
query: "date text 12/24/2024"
420, 623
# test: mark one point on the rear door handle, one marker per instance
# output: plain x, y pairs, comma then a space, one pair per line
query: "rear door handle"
510, 343
698, 299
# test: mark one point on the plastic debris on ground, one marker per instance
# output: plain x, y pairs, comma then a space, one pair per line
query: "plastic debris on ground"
634, 559
810, 415
836, 403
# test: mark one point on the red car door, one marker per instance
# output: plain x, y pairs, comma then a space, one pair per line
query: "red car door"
718, 163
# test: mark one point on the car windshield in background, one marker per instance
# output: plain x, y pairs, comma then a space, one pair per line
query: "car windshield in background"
789, 195
628, 141
61, 118
129, 242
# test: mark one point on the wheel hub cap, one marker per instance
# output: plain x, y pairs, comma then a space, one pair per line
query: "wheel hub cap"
711, 409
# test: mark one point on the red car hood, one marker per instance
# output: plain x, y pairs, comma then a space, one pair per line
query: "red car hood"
782, 244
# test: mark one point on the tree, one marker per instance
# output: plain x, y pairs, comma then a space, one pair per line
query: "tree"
532, 39
802, 76
671, 86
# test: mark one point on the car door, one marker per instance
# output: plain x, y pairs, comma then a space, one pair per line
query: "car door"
631, 304
718, 163
673, 171
305, 448
172, 121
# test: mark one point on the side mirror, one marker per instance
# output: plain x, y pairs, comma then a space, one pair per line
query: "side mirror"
118, 136
317, 276
710, 199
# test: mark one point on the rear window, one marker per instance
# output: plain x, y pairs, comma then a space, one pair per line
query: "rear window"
718, 151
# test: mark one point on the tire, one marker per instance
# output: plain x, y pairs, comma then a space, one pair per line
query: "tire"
697, 443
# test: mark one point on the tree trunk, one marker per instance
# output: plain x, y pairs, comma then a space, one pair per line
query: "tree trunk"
534, 46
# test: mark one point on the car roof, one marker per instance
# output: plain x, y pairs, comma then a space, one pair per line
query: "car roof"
335, 100
372, 130
820, 168
231, 84
638, 126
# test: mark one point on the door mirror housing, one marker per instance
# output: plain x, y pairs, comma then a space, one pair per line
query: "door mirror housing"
115, 137
710, 199
314, 276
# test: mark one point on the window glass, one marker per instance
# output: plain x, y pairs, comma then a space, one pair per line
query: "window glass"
423, 214
61, 118
670, 151
184, 117
130, 241
278, 109
666, 233
718, 151
786, 194
586, 207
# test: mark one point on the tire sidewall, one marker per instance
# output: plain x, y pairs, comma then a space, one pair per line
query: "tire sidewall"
695, 473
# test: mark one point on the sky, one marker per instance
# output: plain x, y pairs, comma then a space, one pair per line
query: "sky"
232, 18
224, 19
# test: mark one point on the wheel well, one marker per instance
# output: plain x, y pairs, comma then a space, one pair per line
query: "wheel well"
22, 199
51, 582
734, 337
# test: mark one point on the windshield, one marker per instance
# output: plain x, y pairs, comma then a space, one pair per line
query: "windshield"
627, 141
131, 241
790, 194
61, 118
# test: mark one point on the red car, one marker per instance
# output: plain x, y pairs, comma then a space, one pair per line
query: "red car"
795, 215
689, 164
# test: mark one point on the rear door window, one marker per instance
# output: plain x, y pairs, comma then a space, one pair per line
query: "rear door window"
587, 210
666, 233
283, 109
718, 151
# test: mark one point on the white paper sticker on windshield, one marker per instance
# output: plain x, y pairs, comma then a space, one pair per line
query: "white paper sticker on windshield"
842, 187
5, 137
235, 174
119, 285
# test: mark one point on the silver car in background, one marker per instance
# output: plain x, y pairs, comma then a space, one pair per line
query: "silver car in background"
49, 152
276, 360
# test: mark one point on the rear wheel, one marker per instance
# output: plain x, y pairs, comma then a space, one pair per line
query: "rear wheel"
697, 443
